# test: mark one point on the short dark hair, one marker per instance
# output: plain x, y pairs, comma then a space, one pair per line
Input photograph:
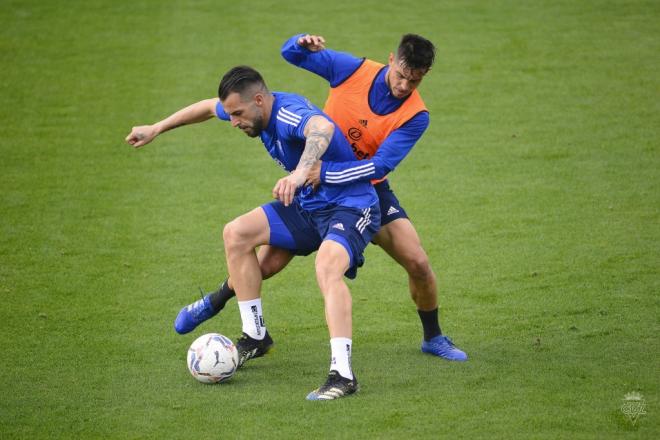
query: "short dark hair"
416, 52
238, 80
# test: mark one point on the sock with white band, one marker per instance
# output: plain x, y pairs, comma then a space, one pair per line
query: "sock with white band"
341, 356
253, 319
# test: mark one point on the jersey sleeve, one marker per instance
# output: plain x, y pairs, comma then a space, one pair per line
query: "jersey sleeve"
220, 112
292, 119
390, 153
334, 66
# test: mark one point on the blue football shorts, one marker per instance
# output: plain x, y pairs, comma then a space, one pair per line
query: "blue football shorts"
302, 232
390, 208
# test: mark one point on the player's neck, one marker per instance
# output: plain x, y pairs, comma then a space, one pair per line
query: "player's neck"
387, 79
269, 100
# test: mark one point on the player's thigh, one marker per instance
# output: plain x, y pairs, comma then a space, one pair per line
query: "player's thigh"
401, 241
272, 260
250, 229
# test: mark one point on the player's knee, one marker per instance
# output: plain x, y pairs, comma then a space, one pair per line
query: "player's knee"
272, 260
328, 273
418, 266
235, 236
268, 269
229, 235
324, 274
331, 262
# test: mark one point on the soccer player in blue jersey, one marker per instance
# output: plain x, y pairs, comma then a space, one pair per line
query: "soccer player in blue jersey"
379, 110
338, 221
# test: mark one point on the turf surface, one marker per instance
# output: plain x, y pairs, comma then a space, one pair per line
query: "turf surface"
536, 192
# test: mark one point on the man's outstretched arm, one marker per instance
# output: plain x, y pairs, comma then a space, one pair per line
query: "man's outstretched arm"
309, 52
198, 112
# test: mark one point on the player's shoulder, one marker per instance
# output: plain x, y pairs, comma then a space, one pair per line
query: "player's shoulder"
372, 64
293, 109
293, 101
415, 103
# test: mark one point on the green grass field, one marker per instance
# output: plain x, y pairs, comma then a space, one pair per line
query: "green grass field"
536, 192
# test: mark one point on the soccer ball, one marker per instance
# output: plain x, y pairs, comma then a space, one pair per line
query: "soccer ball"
212, 358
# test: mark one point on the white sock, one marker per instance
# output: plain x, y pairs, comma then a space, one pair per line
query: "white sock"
341, 356
253, 318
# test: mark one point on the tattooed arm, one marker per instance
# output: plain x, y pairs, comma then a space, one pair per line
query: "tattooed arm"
318, 134
198, 112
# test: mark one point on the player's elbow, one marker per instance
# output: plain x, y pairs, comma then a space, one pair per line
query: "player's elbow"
380, 173
381, 169
320, 126
289, 54
326, 127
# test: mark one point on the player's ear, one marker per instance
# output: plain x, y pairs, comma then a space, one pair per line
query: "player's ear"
391, 59
259, 99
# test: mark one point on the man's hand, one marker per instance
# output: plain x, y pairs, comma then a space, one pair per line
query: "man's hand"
312, 43
141, 135
285, 188
314, 176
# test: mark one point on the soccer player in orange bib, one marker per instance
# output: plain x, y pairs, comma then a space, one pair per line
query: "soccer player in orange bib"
381, 113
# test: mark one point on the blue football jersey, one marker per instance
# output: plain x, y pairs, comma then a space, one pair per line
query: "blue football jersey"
284, 139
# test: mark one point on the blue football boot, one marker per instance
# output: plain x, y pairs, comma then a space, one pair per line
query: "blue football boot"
443, 347
193, 315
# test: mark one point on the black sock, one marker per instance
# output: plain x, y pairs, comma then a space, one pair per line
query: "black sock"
220, 297
430, 323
